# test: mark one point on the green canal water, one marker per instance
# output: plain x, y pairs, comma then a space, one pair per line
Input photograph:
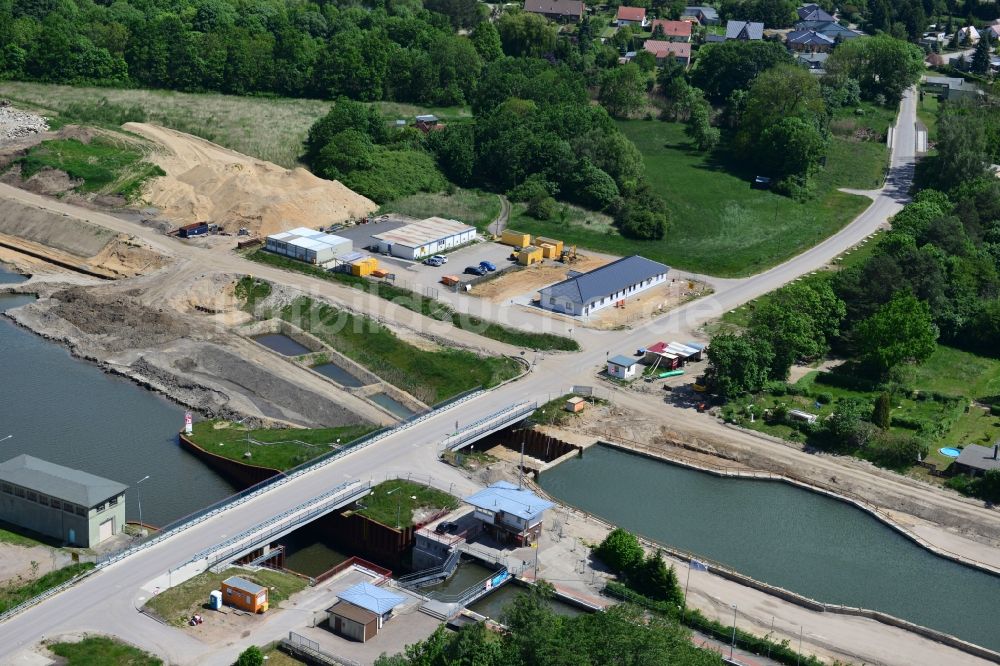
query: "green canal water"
783, 535
494, 603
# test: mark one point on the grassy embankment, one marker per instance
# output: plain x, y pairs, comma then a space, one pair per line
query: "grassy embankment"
228, 120
18, 539
402, 498
14, 594
470, 206
278, 449
718, 224
102, 651
430, 376
927, 110
176, 605
424, 305
105, 165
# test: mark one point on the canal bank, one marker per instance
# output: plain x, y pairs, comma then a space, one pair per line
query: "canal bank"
781, 535
70, 412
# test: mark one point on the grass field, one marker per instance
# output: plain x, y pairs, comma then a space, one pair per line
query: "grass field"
231, 121
177, 604
927, 110
278, 449
430, 376
957, 372
104, 165
402, 498
102, 651
13, 595
470, 206
719, 225
417, 303
17, 539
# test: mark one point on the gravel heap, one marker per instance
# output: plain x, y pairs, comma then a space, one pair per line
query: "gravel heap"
16, 124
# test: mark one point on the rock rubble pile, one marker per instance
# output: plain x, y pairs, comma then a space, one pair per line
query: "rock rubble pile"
16, 124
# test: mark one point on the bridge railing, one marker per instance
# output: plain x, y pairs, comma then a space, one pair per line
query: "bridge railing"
488, 424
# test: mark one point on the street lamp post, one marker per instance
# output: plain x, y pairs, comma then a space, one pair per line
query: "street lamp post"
732, 647
138, 491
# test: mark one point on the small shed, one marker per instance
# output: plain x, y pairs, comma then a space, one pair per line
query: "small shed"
622, 367
575, 404
516, 239
800, 415
241, 593
353, 622
530, 255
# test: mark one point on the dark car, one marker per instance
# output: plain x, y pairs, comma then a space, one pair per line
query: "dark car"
488, 265
445, 527
475, 270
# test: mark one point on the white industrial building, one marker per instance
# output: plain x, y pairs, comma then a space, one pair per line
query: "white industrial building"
313, 247
586, 293
418, 240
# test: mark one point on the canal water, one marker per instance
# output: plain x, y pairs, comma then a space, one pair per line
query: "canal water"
494, 603
338, 374
393, 405
69, 412
282, 344
307, 553
808, 543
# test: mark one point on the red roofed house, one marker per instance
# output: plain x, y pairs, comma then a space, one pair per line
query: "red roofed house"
631, 16
673, 31
681, 51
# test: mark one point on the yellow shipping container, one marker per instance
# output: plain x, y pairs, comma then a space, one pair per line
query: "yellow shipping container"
515, 238
364, 267
551, 247
529, 255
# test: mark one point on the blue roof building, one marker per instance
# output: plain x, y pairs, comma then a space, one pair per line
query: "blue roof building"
508, 513
361, 610
372, 598
585, 293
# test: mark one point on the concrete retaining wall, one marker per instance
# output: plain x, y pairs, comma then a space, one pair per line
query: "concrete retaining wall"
238, 473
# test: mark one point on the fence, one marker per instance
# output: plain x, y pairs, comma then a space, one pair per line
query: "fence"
433, 573
489, 424
300, 645
382, 574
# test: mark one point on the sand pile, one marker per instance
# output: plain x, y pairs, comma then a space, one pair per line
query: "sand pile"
206, 182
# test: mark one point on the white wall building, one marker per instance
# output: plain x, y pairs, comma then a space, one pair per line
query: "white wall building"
623, 367
313, 247
586, 293
425, 238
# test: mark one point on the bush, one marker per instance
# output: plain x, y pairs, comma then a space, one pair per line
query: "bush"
895, 450
824, 398
535, 186
777, 389
542, 207
963, 483
395, 174
621, 551
252, 656
995, 410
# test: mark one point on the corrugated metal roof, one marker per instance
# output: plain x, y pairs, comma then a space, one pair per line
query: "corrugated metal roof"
606, 280
64, 483
505, 496
622, 360
420, 233
243, 584
371, 597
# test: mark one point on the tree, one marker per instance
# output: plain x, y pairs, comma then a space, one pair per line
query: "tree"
252, 656
486, 40
622, 90
962, 155
882, 66
526, 34
981, 57
733, 65
882, 415
461, 13
901, 330
699, 127
848, 423
658, 581
347, 151
345, 115
621, 551
738, 364
794, 148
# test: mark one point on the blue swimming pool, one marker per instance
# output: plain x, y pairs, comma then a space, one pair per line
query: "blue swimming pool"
950, 451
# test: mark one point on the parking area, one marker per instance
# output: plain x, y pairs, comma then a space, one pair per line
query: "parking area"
422, 275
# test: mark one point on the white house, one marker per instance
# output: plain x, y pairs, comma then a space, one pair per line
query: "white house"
585, 293
424, 238
631, 16
623, 367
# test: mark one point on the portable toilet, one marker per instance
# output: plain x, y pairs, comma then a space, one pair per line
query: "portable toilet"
215, 599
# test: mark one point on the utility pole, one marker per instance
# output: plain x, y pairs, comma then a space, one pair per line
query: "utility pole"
520, 470
138, 491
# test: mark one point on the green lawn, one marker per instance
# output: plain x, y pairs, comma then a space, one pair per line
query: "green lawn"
102, 651
873, 122
177, 604
430, 376
278, 449
470, 206
13, 594
417, 303
719, 225
104, 164
400, 498
18, 539
927, 110
552, 412
955, 372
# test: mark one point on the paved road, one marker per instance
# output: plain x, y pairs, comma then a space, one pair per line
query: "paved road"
107, 600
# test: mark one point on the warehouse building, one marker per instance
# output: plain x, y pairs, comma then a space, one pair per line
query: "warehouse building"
418, 240
60, 502
586, 293
312, 247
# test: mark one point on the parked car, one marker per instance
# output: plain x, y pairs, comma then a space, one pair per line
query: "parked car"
433, 261
440, 257
445, 527
475, 270
488, 265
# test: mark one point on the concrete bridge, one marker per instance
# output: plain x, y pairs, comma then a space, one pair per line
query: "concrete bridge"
489, 425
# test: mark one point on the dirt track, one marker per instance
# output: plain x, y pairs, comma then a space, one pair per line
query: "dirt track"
205, 181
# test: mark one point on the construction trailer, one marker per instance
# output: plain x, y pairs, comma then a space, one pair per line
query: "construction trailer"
312, 247
551, 247
241, 593
192, 230
515, 239
530, 255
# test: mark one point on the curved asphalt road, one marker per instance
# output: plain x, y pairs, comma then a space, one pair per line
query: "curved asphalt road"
107, 601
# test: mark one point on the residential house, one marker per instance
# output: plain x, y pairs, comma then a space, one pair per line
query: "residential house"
830, 29
66, 504
703, 15
809, 41
992, 32
680, 51
950, 88
814, 62
968, 35
813, 12
585, 293
673, 31
509, 514
976, 460
631, 16
563, 11
623, 367
744, 31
